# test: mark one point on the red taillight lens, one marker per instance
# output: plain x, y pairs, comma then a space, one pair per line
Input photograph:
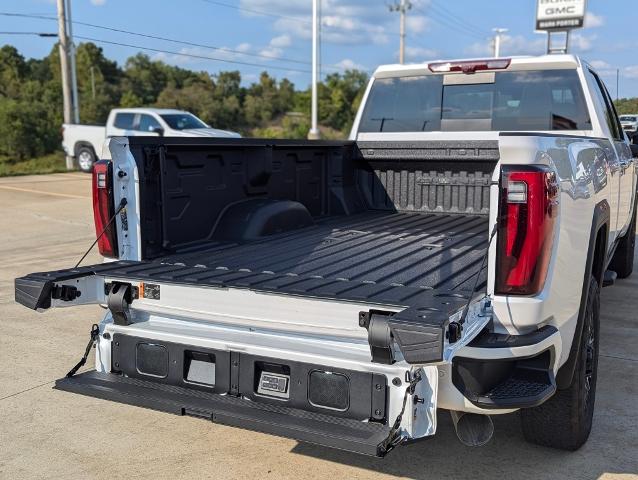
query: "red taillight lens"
527, 213
104, 207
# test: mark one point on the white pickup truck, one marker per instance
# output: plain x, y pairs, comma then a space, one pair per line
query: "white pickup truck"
85, 143
629, 124
450, 255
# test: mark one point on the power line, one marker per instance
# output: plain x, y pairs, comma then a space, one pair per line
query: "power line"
157, 37
451, 21
455, 18
257, 12
191, 55
454, 26
39, 34
183, 42
277, 15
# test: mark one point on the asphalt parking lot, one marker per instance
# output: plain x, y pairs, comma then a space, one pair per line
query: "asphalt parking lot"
46, 223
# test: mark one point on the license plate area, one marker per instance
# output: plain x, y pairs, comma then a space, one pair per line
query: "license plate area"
274, 384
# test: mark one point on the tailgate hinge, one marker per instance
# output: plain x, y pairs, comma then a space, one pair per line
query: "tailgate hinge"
380, 336
119, 297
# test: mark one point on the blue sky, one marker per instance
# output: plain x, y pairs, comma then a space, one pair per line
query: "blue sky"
275, 34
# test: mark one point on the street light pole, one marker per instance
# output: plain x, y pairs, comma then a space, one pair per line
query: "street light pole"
314, 134
497, 40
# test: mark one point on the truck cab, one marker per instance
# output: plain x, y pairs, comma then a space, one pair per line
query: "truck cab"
123, 122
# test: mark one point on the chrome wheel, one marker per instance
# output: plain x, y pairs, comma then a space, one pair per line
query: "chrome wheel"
85, 160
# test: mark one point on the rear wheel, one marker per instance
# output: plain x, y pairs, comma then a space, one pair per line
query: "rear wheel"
623, 260
86, 158
565, 420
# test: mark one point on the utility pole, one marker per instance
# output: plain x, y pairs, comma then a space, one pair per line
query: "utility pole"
93, 82
314, 134
74, 76
617, 84
402, 7
64, 70
497, 40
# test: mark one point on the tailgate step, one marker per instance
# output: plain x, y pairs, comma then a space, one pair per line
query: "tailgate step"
345, 434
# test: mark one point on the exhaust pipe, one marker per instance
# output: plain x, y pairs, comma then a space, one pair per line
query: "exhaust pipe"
472, 429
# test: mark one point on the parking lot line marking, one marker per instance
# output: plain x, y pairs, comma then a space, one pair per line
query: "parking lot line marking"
28, 190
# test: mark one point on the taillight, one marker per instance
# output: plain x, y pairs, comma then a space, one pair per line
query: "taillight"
104, 208
527, 212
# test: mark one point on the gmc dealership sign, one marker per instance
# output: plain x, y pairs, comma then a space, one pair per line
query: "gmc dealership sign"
560, 14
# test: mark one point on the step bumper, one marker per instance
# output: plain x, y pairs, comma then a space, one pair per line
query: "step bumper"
505, 372
366, 438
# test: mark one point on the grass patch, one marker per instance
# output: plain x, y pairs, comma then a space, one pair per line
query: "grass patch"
51, 163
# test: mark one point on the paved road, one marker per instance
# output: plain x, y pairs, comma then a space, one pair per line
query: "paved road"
47, 224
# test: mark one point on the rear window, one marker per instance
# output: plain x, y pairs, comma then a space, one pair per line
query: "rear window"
628, 118
124, 121
524, 100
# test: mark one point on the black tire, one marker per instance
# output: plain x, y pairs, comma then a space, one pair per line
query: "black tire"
623, 260
85, 157
565, 420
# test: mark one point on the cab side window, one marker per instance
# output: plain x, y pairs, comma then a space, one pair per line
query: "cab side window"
610, 111
147, 123
124, 121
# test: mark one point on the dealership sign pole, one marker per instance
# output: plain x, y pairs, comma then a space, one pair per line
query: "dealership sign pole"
559, 17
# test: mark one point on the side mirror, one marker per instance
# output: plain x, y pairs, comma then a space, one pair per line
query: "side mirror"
158, 130
634, 149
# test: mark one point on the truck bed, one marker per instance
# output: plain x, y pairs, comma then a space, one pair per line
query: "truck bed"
380, 253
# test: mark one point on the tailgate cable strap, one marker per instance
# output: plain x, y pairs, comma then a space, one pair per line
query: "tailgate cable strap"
455, 328
393, 439
119, 208
95, 333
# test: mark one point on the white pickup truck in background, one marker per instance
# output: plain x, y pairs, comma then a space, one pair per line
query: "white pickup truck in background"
630, 125
449, 256
85, 143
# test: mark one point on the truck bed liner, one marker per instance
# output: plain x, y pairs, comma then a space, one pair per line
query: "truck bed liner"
428, 251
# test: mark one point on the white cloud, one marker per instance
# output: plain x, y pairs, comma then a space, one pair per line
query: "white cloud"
243, 47
510, 45
271, 52
344, 22
419, 54
348, 64
98, 3
417, 23
599, 64
631, 71
603, 68
592, 20
582, 43
282, 41
194, 55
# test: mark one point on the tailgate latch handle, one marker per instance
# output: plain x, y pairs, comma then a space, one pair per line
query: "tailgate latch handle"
118, 300
66, 293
